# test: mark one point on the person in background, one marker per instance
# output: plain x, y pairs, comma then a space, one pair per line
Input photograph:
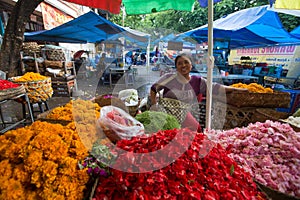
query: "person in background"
184, 87
97, 58
101, 64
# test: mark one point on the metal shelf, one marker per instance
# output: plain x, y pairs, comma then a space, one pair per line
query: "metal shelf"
13, 125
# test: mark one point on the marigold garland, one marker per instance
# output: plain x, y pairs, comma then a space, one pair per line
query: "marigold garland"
43, 165
83, 115
253, 87
30, 76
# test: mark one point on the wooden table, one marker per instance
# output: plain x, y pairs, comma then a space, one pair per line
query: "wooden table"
117, 70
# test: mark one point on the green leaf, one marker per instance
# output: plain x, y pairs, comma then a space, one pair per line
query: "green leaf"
231, 170
80, 165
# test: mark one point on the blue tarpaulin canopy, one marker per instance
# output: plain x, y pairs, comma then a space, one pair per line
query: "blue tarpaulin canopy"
296, 32
257, 26
87, 28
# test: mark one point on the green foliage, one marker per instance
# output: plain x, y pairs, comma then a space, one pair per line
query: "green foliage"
163, 23
154, 121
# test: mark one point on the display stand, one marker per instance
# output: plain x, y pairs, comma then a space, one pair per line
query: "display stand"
13, 125
63, 86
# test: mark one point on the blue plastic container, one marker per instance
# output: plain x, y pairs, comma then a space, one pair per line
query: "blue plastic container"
294, 103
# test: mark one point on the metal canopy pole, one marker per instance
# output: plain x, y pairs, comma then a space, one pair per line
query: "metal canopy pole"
210, 64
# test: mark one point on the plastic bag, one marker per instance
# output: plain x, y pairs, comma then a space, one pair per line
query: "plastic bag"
129, 97
120, 124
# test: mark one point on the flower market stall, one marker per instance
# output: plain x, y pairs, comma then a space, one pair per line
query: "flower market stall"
82, 150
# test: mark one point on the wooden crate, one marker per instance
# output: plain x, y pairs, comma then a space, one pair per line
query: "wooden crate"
63, 88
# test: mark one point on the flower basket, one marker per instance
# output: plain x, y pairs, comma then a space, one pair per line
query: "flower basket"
37, 91
263, 114
233, 116
262, 100
109, 99
12, 92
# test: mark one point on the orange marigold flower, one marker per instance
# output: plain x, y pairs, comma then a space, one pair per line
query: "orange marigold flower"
13, 190
6, 170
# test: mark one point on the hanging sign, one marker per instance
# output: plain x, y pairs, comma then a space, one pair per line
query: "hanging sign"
287, 56
52, 17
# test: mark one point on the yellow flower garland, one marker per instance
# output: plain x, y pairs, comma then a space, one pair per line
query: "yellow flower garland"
30, 76
253, 87
44, 165
84, 115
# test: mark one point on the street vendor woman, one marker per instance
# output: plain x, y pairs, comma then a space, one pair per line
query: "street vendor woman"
184, 87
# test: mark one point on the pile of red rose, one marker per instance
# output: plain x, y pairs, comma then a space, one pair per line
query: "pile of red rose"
269, 151
202, 171
4, 84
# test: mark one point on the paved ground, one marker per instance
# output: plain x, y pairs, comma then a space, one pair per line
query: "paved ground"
88, 88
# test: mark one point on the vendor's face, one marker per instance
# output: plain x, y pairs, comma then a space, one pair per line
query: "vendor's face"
184, 65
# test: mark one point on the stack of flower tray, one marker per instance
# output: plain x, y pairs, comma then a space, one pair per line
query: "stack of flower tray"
239, 109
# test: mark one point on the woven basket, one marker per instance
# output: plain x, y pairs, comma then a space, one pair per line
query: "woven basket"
263, 114
228, 117
259, 100
55, 54
12, 92
174, 107
109, 99
37, 91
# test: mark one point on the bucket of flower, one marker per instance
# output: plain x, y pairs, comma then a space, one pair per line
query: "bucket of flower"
38, 87
258, 96
9, 89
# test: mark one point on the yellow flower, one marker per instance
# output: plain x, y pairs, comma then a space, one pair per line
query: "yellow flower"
20, 174
13, 190
30, 76
253, 87
5, 170
43, 166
